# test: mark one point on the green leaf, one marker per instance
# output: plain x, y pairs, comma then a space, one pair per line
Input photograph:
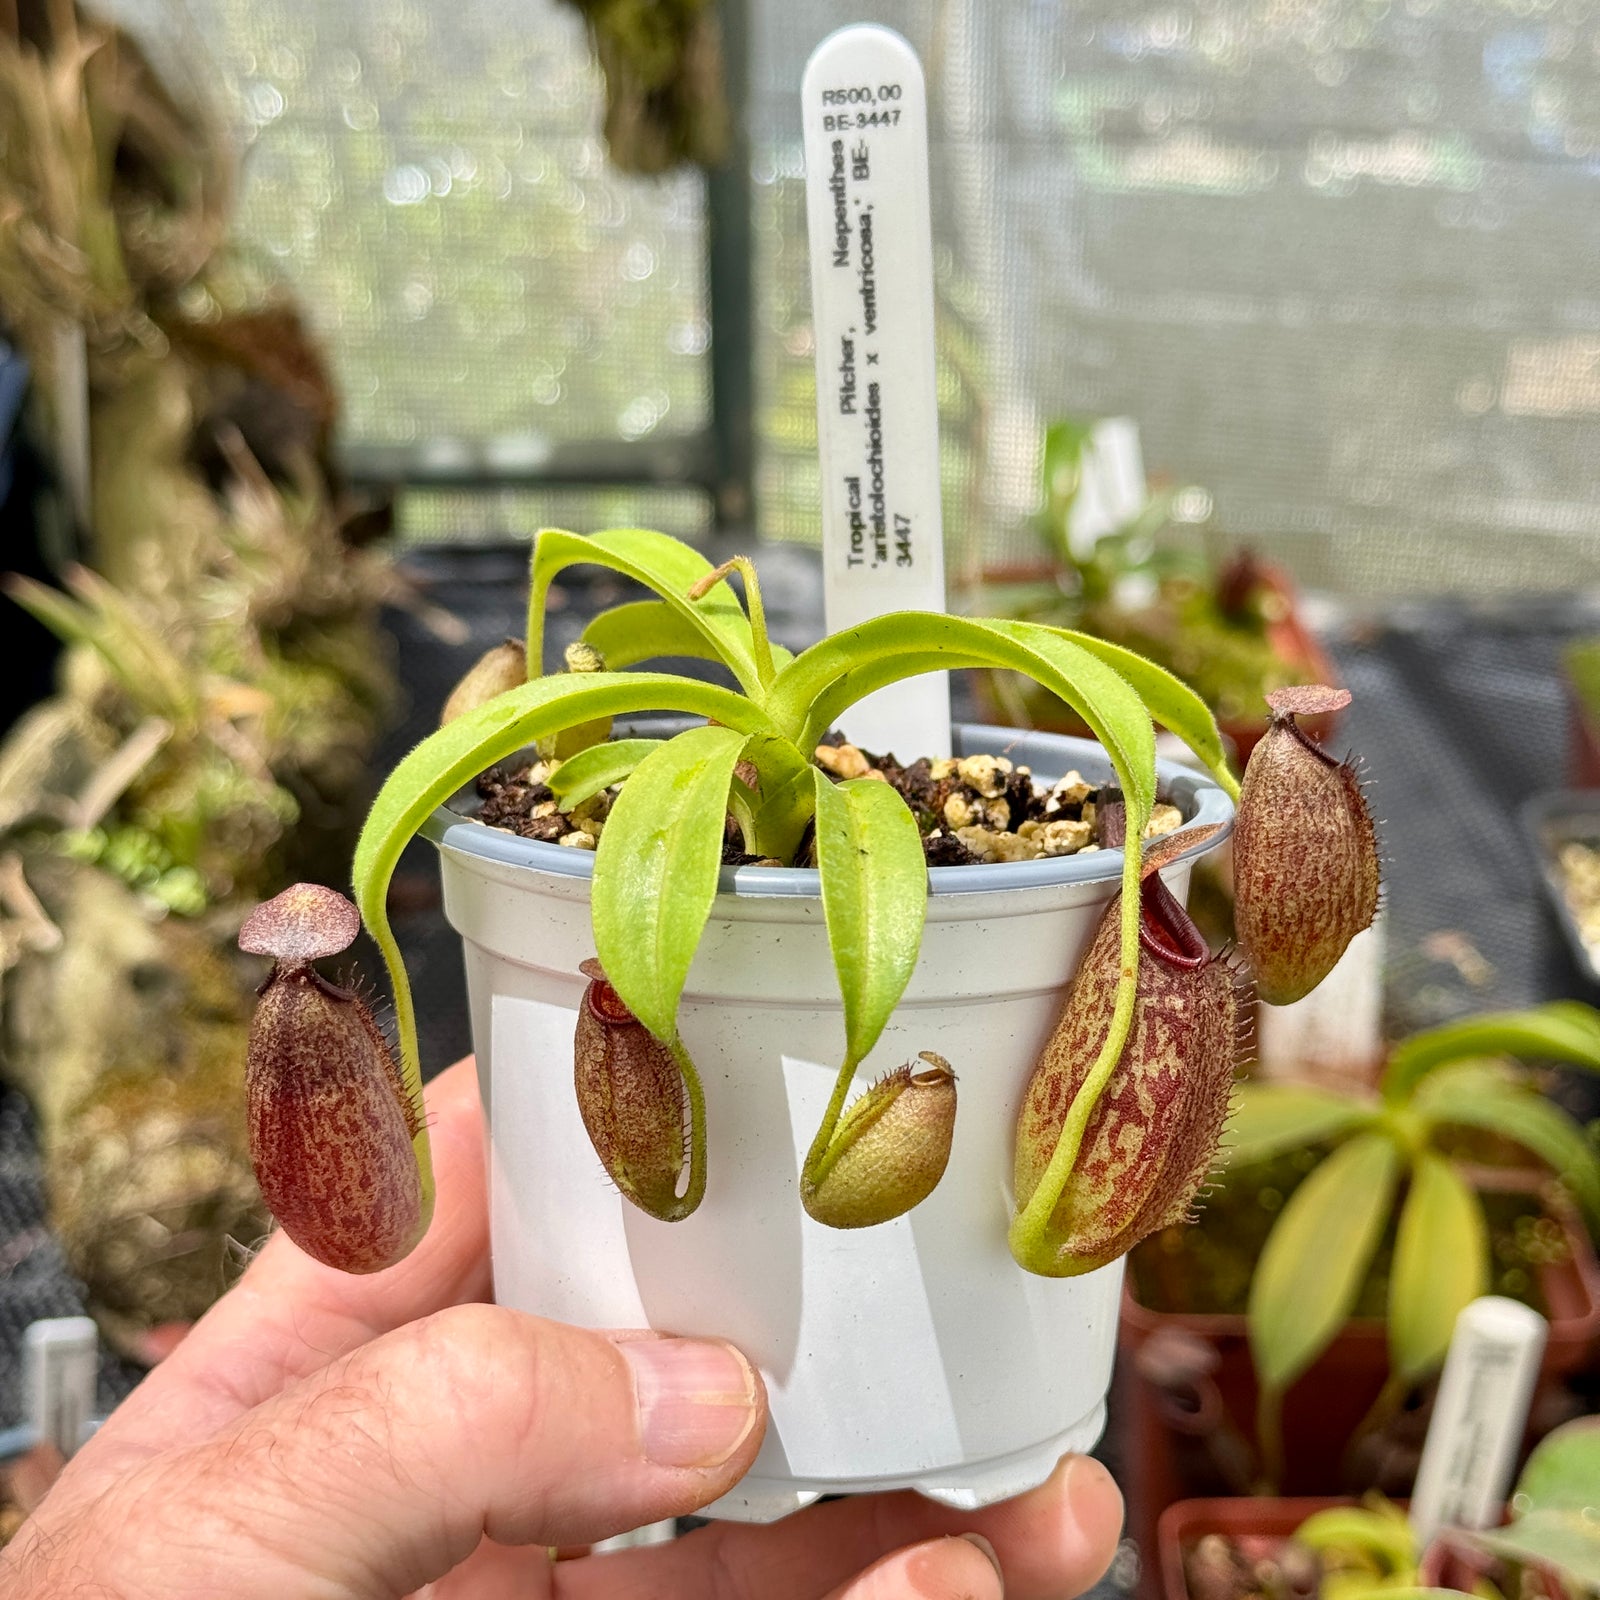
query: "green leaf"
1564, 1031
101, 617
1381, 1590
1441, 1263
1479, 1097
645, 630
656, 868
1568, 1541
459, 751
1317, 1255
785, 802
903, 644
1172, 703
1577, 1012
664, 564
1269, 1118
1563, 1473
1064, 444
1556, 1506
855, 685
584, 775
1380, 1531
874, 895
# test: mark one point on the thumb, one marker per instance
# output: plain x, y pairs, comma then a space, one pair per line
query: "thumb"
384, 1471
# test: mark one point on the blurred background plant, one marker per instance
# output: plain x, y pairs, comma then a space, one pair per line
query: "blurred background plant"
222, 679
1157, 578
1394, 1171
1547, 1549
662, 61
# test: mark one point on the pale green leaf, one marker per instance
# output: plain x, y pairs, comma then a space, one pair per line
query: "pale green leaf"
1269, 1118
647, 630
584, 775
1475, 1097
656, 869
874, 895
1380, 1531
1317, 1255
1578, 1012
1563, 1031
1556, 1506
1563, 1473
1381, 1590
460, 750
784, 801
904, 644
1441, 1263
856, 684
664, 564
1568, 1541
1173, 704
101, 617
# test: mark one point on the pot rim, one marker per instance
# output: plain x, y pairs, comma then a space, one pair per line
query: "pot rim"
452, 827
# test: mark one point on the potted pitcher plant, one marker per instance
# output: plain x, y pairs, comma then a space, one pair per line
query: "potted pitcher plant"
686, 943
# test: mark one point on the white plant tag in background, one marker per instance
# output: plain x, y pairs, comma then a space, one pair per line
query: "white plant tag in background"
1479, 1417
1111, 484
60, 1364
864, 107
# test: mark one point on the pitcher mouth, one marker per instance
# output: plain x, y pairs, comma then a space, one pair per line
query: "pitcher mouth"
1201, 801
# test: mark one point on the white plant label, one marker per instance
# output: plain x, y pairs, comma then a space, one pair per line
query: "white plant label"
1111, 489
60, 1362
865, 112
1479, 1417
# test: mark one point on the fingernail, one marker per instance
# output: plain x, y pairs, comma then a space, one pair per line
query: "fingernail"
696, 1399
988, 1549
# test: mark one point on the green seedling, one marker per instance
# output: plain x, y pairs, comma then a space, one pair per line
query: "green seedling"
1390, 1151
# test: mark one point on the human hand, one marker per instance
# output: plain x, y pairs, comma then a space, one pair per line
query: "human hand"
320, 1436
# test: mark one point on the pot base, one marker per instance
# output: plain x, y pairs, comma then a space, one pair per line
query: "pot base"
980, 1483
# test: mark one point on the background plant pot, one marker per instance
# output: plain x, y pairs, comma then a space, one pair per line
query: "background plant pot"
1179, 1446
916, 1353
1552, 821
1186, 1523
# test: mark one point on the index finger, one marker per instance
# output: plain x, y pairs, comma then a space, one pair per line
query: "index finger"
289, 1316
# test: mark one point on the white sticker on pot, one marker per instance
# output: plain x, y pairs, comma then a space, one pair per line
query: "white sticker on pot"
850, 1278
61, 1360
543, 1168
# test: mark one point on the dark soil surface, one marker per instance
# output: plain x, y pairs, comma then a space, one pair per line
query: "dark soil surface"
979, 808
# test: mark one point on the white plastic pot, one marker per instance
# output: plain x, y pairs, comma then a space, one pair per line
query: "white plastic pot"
915, 1354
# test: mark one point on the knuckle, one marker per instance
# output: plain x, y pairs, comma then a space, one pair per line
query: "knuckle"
480, 1360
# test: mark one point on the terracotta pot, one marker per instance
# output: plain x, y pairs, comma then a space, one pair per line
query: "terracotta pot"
1186, 1387
1184, 1524
1289, 637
